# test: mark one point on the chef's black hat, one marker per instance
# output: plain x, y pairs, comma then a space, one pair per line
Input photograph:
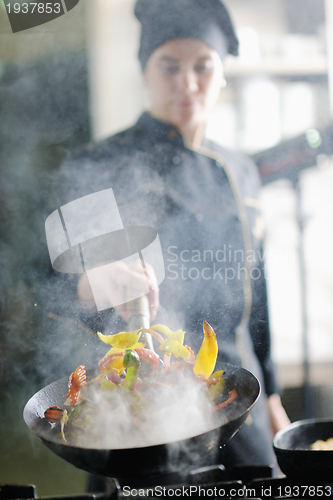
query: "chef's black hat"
206, 20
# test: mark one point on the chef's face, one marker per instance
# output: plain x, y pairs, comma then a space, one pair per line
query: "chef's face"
184, 78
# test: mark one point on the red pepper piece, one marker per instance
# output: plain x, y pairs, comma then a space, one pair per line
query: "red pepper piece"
106, 362
232, 396
150, 356
114, 378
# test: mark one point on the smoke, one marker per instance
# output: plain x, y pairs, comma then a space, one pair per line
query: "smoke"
166, 423
158, 413
43, 114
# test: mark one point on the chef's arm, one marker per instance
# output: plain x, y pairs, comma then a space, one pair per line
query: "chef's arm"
278, 416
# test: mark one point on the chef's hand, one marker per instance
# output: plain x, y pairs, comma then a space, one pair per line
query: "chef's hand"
277, 413
116, 284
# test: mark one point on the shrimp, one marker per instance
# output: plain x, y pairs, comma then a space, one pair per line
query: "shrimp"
77, 380
53, 414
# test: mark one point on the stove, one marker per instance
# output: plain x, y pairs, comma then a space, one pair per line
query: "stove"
213, 482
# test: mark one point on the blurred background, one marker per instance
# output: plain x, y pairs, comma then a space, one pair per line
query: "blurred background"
76, 79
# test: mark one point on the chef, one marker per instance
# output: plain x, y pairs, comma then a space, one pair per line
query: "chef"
201, 199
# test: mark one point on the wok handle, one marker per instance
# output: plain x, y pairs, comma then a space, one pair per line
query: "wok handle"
140, 319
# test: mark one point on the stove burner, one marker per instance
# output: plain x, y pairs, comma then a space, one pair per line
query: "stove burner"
13, 491
214, 482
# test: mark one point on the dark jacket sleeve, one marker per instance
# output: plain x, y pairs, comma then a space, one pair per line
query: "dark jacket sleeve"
259, 328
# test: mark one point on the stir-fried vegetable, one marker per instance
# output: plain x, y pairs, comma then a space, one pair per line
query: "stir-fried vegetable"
120, 383
206, 359
131, 361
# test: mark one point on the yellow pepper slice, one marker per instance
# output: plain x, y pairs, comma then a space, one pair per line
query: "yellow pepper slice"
216, 390
115, 364
115, 350
122, 340
207, 355
170, 346
177, 335
217, 374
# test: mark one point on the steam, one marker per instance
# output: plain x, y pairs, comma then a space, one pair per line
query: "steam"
43, 114
167, 415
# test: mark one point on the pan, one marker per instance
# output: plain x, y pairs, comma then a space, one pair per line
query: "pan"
147, 461
292, 449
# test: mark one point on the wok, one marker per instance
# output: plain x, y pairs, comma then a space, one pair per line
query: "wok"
147, 461
292, 449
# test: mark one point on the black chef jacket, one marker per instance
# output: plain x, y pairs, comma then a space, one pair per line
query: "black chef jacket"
204, 206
